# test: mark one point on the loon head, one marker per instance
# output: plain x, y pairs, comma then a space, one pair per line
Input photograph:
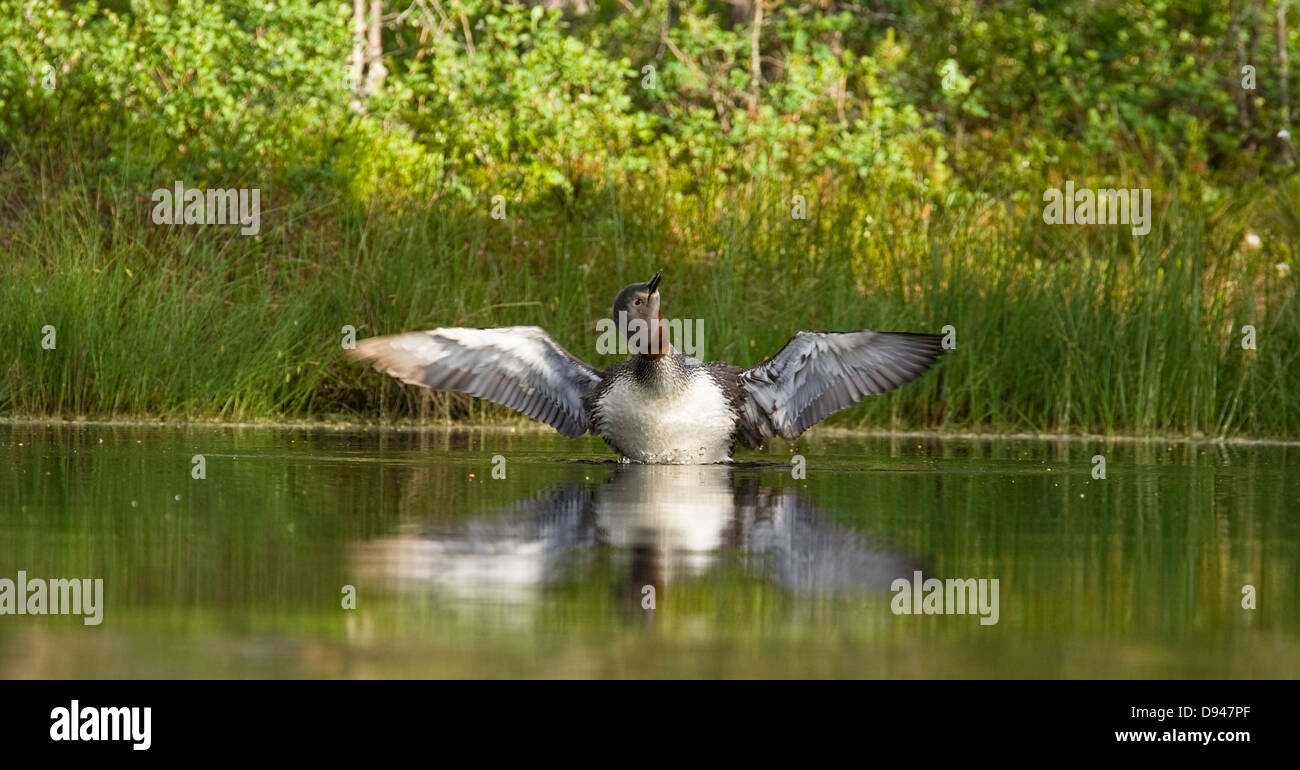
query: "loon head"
636, 311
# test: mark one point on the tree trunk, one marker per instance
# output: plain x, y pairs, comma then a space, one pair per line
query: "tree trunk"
375, 69
1283, 79
755, 58
358, 58
367, 59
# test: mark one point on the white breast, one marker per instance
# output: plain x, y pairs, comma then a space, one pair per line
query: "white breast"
679, 421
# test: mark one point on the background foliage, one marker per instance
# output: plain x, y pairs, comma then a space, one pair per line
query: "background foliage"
922, 136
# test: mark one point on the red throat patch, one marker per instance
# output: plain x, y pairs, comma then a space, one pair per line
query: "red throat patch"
658, 339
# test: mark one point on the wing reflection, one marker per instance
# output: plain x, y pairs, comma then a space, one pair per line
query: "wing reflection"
673, 521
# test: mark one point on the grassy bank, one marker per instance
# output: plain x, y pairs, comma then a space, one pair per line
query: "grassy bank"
1059, 328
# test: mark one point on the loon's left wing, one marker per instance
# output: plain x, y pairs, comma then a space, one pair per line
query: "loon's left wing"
818, 373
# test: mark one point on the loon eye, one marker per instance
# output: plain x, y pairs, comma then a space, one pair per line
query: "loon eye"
638, 302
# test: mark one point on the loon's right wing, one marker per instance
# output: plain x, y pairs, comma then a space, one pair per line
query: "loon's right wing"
516, 366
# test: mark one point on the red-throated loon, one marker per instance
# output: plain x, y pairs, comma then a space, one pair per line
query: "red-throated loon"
658, 406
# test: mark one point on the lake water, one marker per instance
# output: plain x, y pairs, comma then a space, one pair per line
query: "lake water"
551, 571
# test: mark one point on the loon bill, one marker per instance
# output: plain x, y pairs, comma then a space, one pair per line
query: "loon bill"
659, 405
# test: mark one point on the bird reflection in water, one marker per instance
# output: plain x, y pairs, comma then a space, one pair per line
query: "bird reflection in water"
665, 522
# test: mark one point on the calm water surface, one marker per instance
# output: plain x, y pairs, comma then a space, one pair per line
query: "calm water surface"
548, 572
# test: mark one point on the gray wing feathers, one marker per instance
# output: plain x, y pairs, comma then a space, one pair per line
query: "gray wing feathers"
517, 366
819, 373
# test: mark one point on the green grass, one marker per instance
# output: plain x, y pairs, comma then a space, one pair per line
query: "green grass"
1058, 328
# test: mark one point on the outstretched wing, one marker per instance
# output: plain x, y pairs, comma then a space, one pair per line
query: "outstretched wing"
818, 373
517, 366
